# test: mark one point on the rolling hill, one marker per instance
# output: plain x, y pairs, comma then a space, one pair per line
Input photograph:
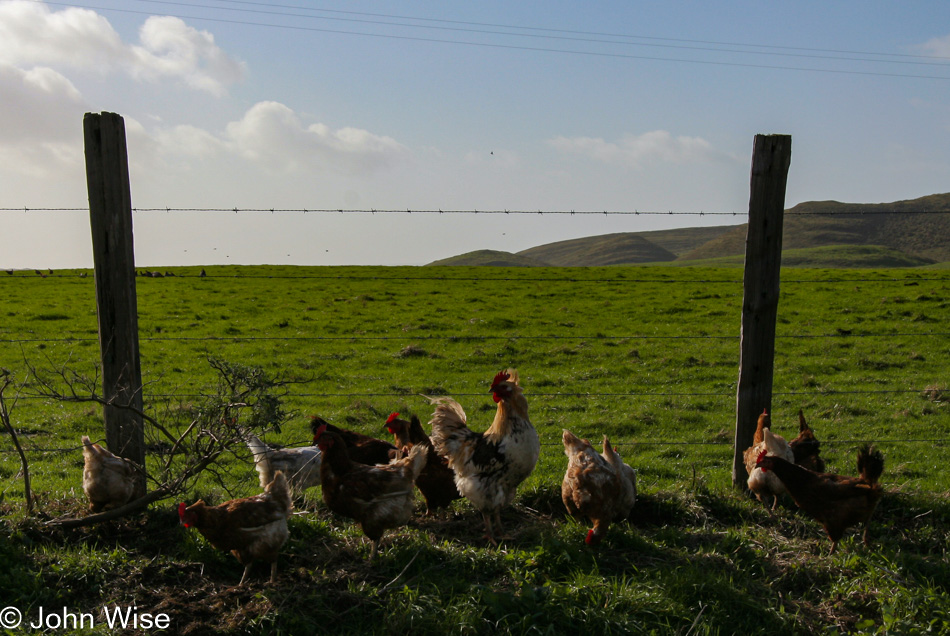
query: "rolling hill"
608, 249
900, 234
491, 258
623, 248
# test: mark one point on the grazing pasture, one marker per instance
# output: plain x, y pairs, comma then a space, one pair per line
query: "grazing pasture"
648, 356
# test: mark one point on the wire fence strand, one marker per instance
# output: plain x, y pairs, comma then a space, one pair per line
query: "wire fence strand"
534, 212
465, 338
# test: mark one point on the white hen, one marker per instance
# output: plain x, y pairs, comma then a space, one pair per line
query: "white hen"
301, 466
107, 480
764, 483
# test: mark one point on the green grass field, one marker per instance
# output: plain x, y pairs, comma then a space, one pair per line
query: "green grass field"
648, 356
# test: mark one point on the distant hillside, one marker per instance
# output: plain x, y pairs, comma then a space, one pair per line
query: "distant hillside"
609, 249
683, 240
822, 223
490, 258
888, 234
854, 256
829, 256
623, 248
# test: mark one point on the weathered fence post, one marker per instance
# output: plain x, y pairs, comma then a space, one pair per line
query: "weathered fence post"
771, 157
110, 215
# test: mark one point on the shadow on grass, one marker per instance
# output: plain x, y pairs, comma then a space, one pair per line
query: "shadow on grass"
686, 562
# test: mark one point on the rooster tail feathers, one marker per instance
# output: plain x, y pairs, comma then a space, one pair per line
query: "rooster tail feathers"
448, 425
447, 411
448, 414
870, 463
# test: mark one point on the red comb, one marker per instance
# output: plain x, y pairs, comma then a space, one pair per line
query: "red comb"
320, 431
761, 455
500, 377
181, 513
391, 417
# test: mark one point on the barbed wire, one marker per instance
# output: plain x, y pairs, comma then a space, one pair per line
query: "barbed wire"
403, 338
532, 394
397, 211
31, 273
474, 211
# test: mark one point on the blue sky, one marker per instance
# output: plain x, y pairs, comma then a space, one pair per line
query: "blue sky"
448, 105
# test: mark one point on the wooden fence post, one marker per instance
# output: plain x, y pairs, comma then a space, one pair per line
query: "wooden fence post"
771, 157
110, 216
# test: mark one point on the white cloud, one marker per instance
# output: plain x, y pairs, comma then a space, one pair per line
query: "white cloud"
657, 146
169, 150
31, 34
37, 100
173, 49
271, 134
188, 141
47, 110
938, 47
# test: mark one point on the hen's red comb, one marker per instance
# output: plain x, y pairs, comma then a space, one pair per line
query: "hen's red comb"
391, 417
500, 377
181, 513
761, 455
320, 431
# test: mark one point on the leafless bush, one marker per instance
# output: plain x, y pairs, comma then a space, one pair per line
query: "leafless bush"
183, 438
6, 380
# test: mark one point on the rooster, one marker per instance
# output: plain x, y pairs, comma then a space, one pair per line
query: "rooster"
488, 466
837, 502
377, 497
107, 480
598, 486
362, 449
252, 529
436, 482
301, 466
806, 447
760, 483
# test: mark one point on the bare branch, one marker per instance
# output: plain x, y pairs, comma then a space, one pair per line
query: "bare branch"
187, 439
5, 381
114, 513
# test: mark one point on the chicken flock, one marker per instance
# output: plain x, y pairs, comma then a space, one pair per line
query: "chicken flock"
373, 482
